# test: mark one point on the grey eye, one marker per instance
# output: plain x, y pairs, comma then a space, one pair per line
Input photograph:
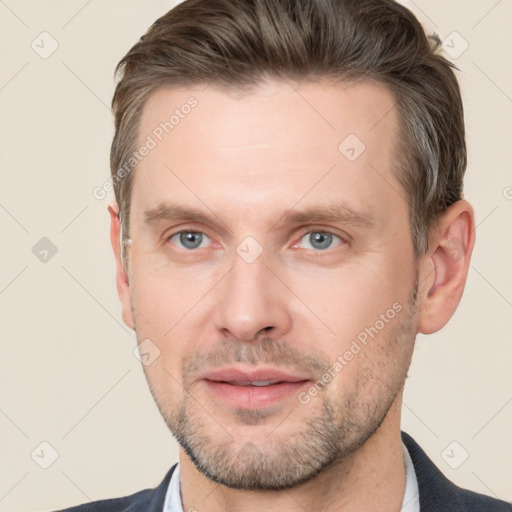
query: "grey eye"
189, 239
320, 240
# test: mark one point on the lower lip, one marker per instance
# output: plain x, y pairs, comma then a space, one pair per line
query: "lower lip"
254, 397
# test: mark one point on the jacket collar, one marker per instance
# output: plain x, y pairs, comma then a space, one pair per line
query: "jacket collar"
153, 501
437, 493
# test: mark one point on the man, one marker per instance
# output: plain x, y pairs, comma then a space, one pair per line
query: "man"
288, 216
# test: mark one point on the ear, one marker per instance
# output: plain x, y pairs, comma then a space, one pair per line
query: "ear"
444, 268
123, 288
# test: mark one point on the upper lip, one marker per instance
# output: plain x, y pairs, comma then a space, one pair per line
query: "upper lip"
236, 375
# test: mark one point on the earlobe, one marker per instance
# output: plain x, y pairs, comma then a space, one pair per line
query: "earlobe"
446, 266
123, 288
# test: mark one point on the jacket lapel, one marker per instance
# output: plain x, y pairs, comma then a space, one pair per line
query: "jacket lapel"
152, 500
437, 493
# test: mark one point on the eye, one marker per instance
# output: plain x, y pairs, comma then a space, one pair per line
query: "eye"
320, 240
189, 239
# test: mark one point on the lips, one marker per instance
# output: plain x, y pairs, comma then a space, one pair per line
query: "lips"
259, 377
253, 389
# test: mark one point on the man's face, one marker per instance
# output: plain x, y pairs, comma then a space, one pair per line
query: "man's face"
264, 252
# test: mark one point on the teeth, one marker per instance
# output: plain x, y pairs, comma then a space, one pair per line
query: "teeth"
254, 383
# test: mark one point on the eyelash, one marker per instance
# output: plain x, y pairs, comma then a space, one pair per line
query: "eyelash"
343, 240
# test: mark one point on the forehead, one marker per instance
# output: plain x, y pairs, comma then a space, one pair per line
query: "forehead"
286, 110
275, 144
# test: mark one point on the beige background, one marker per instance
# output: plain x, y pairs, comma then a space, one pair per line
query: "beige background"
68, 375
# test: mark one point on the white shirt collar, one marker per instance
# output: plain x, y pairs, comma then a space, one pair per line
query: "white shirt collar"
173, 497
410, 502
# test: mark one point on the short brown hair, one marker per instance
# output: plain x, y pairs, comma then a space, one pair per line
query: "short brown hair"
240, 43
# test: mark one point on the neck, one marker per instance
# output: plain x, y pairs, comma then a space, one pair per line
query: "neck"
371, 478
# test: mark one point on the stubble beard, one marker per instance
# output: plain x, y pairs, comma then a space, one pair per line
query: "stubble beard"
284, 459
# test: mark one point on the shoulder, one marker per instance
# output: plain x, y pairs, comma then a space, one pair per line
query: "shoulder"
438, 494
475, 502
124, 504
149, 500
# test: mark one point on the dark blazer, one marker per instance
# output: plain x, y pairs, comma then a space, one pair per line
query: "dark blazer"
437, 493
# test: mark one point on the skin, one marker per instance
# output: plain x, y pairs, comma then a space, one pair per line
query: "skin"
245, 160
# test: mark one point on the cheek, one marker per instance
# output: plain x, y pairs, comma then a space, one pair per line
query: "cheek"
169, 309
162, 295
349, 299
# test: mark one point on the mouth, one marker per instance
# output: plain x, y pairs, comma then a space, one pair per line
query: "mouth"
254, 389
257, 383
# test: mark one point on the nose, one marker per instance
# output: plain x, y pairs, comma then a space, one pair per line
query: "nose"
252, 302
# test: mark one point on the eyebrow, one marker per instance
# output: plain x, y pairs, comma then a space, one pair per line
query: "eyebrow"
167, 212
336, 213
